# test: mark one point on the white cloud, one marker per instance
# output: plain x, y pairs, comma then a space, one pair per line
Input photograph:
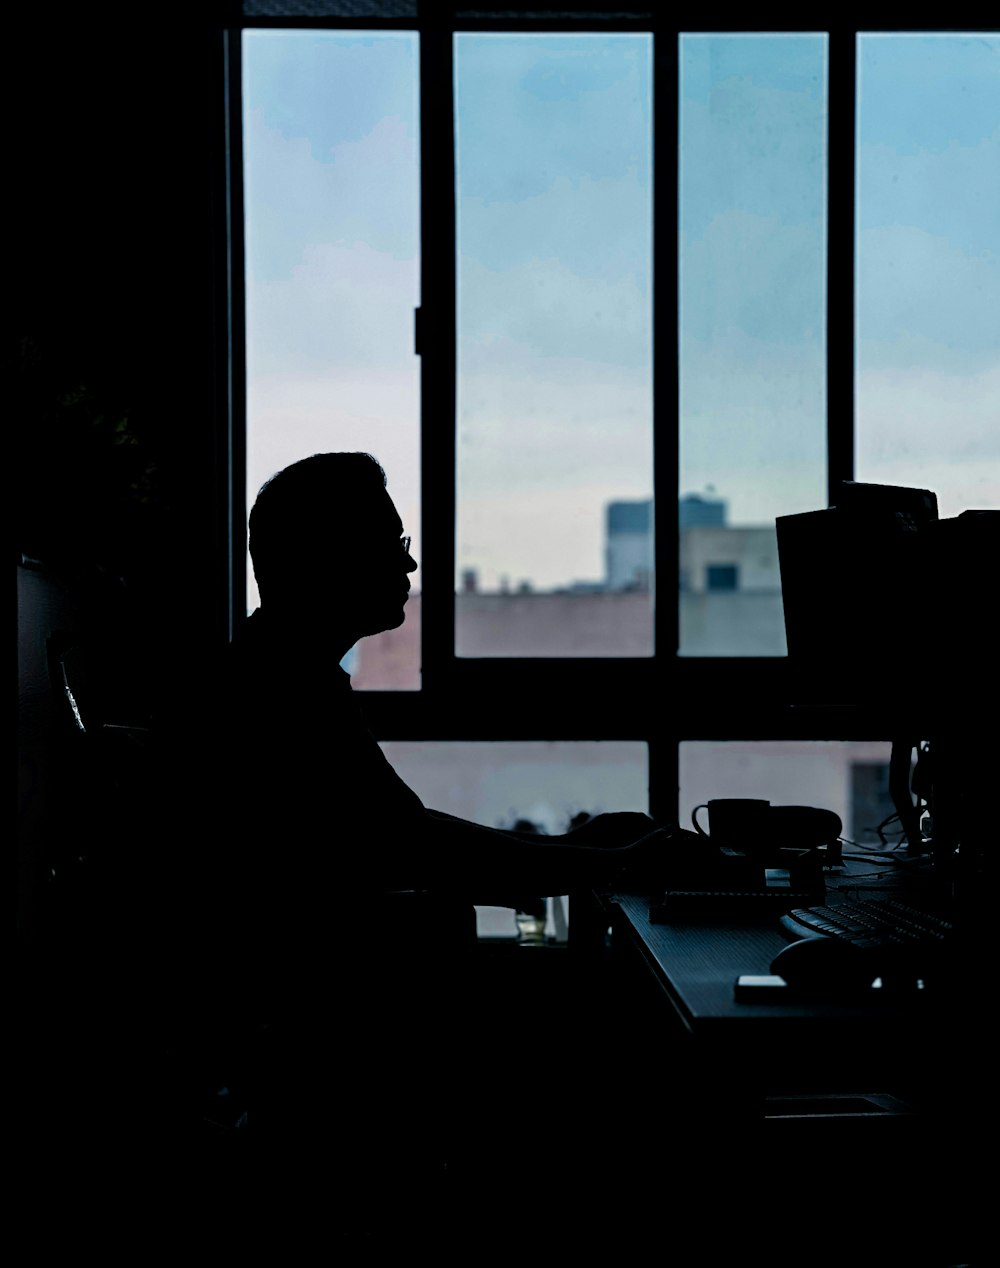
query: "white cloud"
552, 311
919, 188
290, 418
930, 429
364, 190
756, 275
549, 537
344, 304
921, 298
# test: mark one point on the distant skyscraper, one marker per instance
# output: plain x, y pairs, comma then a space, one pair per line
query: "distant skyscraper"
629, 545
695, 511
629, 540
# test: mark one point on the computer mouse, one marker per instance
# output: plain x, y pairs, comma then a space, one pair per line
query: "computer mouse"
823, 963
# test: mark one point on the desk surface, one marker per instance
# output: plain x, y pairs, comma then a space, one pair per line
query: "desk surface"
884, 1091
699, 963
696, 964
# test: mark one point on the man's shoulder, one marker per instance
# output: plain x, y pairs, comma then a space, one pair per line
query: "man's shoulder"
270, 677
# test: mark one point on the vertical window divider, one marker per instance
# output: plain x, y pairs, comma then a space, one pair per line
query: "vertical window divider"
438, 354
663, 751
235, 469
666, 333
840, 263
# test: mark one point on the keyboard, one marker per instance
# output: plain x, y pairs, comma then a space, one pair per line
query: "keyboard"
896, 935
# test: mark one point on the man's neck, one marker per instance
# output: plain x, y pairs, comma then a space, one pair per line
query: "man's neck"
307, 628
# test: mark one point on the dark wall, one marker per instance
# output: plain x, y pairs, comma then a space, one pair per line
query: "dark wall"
116, 299
115, 285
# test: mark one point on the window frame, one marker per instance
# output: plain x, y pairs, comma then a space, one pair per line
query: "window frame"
663, 699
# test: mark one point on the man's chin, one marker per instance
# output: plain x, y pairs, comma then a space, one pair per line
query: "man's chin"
388, 621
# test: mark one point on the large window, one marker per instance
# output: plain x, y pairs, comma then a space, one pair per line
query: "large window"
555, 411
928, 265
671, 284
331, 193
753, 174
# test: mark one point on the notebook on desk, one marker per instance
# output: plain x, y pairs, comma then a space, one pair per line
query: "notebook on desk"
705, 883
677, 905
765, 902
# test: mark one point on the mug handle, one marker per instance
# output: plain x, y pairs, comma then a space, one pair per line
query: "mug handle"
694, 818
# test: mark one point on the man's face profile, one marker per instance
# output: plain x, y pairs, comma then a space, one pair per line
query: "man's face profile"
375, 579
331, 550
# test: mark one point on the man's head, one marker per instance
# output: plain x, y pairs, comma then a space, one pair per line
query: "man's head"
325, 540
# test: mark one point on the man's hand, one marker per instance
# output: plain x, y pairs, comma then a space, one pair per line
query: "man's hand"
648, 864
618, 828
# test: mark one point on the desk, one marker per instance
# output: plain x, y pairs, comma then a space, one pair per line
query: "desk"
910, 1040
882, 1094
780, 1047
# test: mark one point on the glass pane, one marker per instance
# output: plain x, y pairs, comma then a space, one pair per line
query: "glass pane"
554, 342
545, 783
752, 242
332, 272
928, 266
849, 777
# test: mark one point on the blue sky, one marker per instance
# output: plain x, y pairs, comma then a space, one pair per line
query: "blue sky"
928, 276
554, 214
752, 231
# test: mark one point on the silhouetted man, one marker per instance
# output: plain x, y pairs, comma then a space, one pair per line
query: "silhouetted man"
332, 566
349, 905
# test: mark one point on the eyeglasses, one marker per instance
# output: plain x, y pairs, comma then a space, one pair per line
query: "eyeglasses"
404, 543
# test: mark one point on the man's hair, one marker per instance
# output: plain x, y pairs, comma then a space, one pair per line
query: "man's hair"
299, 509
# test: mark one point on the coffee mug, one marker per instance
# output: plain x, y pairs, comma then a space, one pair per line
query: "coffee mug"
734, 821
746, 822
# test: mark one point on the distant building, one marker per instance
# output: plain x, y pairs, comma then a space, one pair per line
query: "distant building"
695, 511
715, 558
730, 584
729, 601
725, 560
628, 545
729, 605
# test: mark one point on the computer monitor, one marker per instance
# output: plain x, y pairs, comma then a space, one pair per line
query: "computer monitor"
890, 616
852, 580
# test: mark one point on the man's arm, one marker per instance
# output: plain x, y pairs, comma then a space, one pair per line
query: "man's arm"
493, 865
612, 830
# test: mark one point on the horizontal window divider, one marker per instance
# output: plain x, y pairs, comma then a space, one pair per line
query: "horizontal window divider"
515, 25
647, 701
587, 23
331, 23
604, 20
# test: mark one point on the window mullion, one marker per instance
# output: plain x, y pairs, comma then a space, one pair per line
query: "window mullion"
438, 356
666, 398
840, 193
234, 471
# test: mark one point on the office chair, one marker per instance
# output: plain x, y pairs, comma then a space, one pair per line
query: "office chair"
282, 1053
106, 1040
